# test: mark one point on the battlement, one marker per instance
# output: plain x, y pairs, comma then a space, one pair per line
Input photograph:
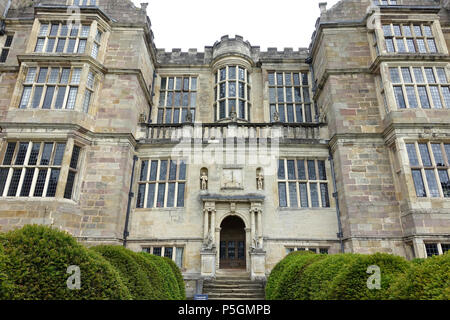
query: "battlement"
228, 45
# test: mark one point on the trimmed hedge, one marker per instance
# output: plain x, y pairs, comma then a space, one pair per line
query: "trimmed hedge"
132, 273
351, 282
38, 260
6, 286
428, 279
277, 272
170, 287
308, 276
178, 276
318, 276
289, 286
151, 269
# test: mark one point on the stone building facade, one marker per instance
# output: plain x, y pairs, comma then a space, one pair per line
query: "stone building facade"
231, 157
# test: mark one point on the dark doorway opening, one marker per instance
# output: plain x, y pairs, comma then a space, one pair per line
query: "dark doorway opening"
232, 244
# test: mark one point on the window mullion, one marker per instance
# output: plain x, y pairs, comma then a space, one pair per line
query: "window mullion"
8, 182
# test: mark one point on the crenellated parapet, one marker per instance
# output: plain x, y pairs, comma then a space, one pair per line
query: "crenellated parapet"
229, 47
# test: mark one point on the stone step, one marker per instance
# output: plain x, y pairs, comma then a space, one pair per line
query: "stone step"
231, 281
233, 286
235, 277
233, 290
236, 296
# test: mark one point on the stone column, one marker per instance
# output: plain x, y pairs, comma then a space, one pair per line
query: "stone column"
259, 228
205, 223
208, 252
213, 225
253, 226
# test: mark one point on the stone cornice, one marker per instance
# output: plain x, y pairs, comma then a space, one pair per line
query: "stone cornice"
433, 57
361, 138
73, 129
61, 58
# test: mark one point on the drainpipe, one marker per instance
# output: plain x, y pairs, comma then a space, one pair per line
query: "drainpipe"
130, 197
152, 95
340, 234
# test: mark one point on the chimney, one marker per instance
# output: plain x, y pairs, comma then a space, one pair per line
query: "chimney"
323, 7
144, 6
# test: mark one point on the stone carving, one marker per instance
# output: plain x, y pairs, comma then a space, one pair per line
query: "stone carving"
204, 180
260, 180
208, 243
255, 243
232, 178
142, 118
276, 117
189, 116
233, 116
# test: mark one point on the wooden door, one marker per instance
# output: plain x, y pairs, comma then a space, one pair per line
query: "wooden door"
232, 244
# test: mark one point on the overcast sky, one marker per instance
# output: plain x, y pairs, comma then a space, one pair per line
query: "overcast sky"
266, 23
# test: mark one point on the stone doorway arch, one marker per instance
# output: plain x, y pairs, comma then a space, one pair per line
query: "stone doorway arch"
232, 243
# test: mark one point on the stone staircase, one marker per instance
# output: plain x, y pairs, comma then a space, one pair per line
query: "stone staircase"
233, 285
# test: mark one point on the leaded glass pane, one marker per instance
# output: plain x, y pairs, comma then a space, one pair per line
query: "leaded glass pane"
432, 184
293, 195
424, 154
412, 155
423, 95
418, 183
395, 75
282, 194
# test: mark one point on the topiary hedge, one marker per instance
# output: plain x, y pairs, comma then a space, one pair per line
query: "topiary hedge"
151, 270
289, 285
427, 280
319, 275
176, 271
277, 271
308, 276
132, 273
6, 287
170, 286
39, 257
351, 282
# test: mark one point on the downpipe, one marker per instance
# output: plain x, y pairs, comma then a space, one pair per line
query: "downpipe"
340, 234
130, 197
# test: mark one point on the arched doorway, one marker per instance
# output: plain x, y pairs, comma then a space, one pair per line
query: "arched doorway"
232, 243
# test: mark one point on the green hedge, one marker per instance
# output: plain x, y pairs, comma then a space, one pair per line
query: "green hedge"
6, 287
428, 279
276, 274
289, 286
178, 276
170, 286
153, 274
351, 282
303, 276
319, 275
132, 273
38, 260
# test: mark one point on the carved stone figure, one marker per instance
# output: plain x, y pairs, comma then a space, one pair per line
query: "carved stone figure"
233, 116
204, 181
260, 181
276, 116
189, 117
208, 243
